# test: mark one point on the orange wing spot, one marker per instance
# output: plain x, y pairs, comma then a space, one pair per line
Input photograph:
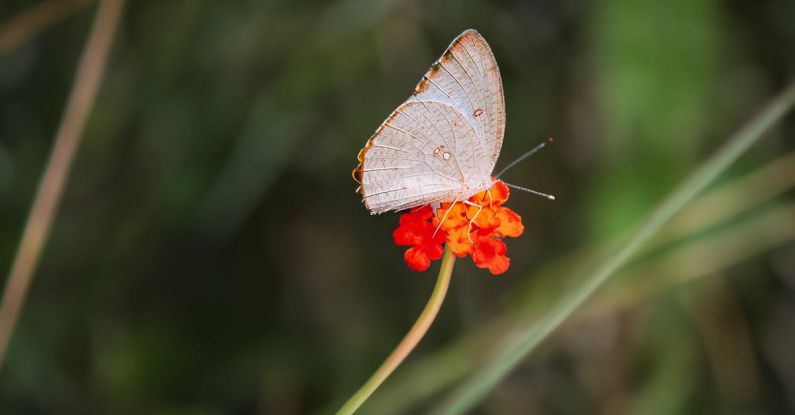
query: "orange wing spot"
458, 44
363, 151
422, 86
453, 47
356, 174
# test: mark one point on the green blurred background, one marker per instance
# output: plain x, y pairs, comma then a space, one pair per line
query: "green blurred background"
210, 255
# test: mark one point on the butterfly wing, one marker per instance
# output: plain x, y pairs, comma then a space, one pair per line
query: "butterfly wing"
414, 158
467, 78
446, 135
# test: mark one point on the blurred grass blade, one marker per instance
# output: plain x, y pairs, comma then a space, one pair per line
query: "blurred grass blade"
28, 24
78, 108
516, 347
699, 257
710, 255
685, 233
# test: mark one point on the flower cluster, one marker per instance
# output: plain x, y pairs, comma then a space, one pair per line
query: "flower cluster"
475, 228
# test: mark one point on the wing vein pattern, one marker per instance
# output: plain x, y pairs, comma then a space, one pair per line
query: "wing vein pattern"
445, 139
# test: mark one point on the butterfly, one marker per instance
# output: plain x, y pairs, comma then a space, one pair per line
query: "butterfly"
442, 143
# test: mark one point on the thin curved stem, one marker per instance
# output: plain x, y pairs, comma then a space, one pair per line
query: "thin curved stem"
411, 339
89, 74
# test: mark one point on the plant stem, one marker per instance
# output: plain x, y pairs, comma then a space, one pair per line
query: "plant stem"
81, 99
409, 341
515, 348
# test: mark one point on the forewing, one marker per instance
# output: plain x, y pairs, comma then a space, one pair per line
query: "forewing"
466, 77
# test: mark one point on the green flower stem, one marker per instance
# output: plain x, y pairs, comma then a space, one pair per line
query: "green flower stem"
515, 348
410, 340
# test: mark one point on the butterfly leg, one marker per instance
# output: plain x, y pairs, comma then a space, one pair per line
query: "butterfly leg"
469, 229
444, 217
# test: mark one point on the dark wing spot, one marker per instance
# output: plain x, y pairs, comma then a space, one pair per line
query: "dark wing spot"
477, 112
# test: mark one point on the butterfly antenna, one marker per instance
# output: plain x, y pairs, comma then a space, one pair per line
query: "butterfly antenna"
525, 155
535, 192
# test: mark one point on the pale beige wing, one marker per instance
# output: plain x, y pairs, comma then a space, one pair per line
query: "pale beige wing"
466, 77
423, 153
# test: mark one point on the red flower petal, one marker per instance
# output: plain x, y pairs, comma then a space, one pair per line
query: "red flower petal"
456, 216
478, 238
403, 235
490, 253
415, 229
499, 265
486, 220
494, 197
500, 193
416, 216
416, 259
434, 250
458, 242
510, 223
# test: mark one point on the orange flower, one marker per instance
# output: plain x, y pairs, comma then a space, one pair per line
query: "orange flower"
474, 229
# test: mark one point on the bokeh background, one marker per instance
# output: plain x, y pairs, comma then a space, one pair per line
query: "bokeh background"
210, 255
